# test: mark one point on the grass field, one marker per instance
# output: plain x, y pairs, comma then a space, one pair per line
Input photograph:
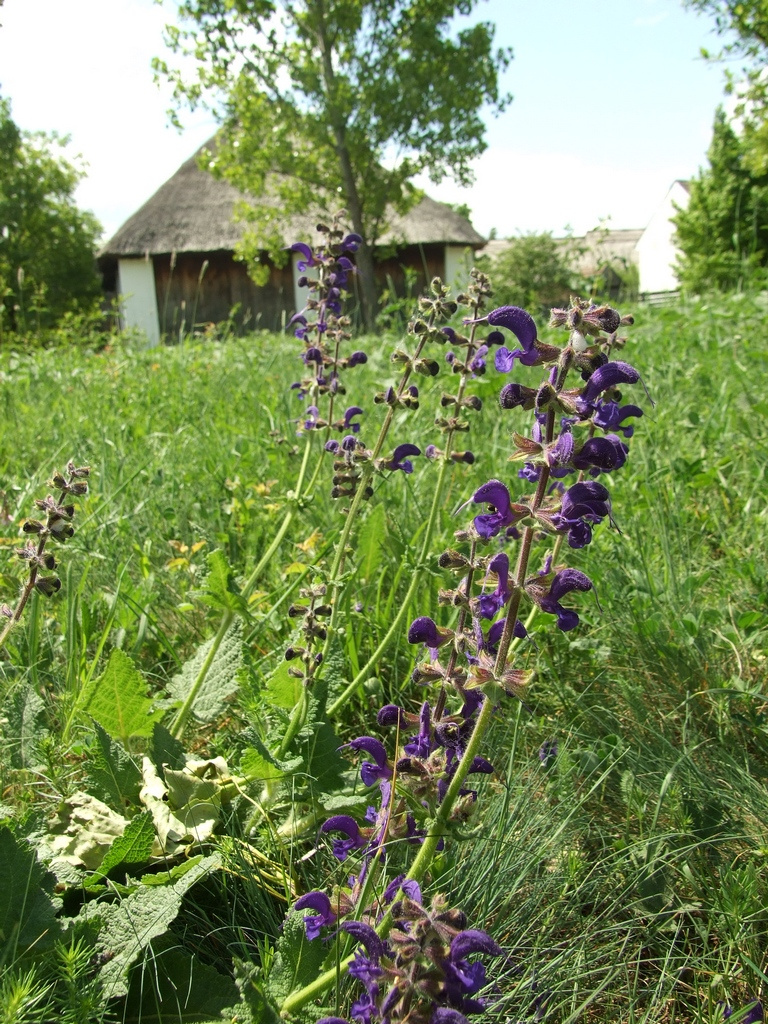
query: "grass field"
625, 877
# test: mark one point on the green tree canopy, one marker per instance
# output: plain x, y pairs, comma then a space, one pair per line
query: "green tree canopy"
534, 271
723, 233
47, 244
744, 25
329, 104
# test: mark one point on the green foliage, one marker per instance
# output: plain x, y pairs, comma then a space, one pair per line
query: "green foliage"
535, 271
118, 699
27, 913
47, 245
221, 680
317, 95
745, 23
113, 776
723, 233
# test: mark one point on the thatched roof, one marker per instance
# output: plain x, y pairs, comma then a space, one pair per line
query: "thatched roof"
192, 212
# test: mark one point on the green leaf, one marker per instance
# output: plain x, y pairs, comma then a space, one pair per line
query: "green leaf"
22, 711
113, 776
221, 590
179, 989
258, 764
129, 925
371, 538
297, 961
166, 750
221, 680
118, 699
133, 847
282, 690
27, 914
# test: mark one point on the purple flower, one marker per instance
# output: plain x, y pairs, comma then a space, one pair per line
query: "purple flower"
583, 504
603, 453
353, 410
501, 514
548, 752
609, 415
357, 359
564, 582
513, 395
399, 460
372, 771
421, 744
349, 827
319, 902
425, 631
608, 376
351, 243
477, 363
409, 886
490, 604
309, 257
313, 414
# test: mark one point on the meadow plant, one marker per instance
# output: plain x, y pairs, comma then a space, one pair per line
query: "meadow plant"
412, 959
57, 526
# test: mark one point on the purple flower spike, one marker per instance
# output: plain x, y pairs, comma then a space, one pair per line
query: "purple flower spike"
319, 902
371, 772
609, 376
495, 494
399, 460
349, 827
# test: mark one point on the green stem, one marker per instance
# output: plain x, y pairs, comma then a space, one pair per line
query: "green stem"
266, 558
177, 726
406, 602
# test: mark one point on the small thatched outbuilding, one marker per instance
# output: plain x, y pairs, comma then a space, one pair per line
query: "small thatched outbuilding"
173, 261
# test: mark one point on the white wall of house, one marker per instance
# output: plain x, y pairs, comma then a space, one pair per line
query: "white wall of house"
656, 250
138, 298
459, 260
300, 295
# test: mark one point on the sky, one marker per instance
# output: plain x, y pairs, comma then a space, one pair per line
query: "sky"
612, 103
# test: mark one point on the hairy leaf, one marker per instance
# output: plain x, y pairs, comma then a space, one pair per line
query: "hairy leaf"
112, 774
178, 989
297, 961
221, 680
221, 590
118, 699
133, 847
22, 730
128, 926
27, 914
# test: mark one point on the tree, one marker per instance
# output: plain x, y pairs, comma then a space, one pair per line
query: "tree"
338, 103
745, 24
723, 233
47, 245
535, 271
